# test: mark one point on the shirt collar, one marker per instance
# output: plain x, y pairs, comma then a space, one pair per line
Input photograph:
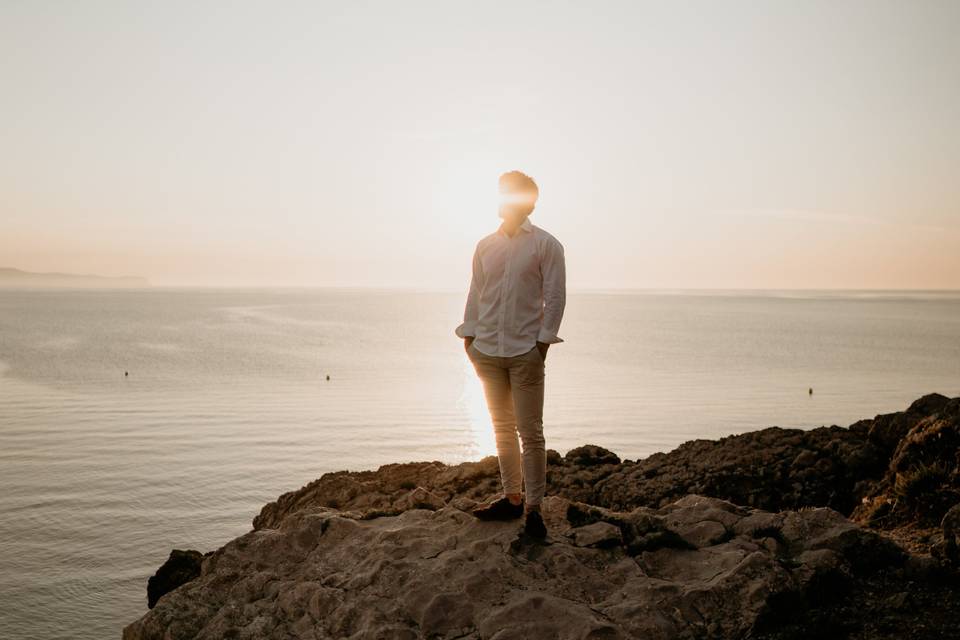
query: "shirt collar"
526, 225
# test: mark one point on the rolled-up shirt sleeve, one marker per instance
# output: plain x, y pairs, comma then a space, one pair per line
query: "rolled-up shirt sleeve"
553, 270
471, 312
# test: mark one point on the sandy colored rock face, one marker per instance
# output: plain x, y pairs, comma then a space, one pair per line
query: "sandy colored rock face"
692, 569
636, 549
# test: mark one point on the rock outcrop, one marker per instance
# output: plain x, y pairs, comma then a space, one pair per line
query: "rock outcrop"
696, 568
851, 470
921, 481
776, 534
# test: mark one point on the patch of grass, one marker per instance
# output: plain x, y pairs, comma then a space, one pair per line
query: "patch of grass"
925, 492
920, 481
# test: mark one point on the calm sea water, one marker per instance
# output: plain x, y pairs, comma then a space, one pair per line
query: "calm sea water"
227, 405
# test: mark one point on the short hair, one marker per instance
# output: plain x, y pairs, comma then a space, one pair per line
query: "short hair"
519, 182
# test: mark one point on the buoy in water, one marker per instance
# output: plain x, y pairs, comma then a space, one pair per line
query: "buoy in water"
810, 391
328, 377
126, 373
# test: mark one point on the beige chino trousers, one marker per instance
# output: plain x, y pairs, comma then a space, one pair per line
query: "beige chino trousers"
513, 387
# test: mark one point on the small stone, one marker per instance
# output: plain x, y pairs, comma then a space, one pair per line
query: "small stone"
590, 454
598, 534
702, 534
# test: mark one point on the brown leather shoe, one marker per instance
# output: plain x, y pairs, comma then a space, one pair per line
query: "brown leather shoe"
501, 509
534, 526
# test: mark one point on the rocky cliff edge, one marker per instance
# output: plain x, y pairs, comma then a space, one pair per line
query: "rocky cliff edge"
777, 533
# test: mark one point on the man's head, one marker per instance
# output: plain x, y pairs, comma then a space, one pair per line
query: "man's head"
518, 195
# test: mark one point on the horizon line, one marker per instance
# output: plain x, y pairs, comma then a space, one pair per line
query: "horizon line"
450, 289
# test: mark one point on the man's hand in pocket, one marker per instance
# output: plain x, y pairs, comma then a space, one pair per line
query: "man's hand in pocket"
543, 346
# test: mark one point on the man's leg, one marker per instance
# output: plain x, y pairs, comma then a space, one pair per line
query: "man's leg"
495, 379
526, 382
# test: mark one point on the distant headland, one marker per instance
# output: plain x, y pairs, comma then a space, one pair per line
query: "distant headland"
10, 277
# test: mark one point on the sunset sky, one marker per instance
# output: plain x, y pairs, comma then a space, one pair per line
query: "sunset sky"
678, 145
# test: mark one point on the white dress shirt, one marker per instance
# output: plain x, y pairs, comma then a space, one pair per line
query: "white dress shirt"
517, 292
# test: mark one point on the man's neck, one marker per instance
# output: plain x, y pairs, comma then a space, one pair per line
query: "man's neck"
512, 225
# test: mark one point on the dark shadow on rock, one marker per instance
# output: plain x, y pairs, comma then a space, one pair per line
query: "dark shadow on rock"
181, 567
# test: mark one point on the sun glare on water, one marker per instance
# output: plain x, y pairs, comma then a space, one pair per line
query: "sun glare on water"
472, 403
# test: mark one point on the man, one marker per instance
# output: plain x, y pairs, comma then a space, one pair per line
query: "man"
512, 315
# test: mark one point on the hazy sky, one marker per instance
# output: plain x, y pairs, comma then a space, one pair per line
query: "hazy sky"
676, 144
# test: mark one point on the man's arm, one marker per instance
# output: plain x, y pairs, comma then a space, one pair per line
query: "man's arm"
471, 312
554, 273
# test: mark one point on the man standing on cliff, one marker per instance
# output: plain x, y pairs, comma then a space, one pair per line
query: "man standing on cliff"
512, 316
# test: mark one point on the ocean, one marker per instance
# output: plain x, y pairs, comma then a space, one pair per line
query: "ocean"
136, 421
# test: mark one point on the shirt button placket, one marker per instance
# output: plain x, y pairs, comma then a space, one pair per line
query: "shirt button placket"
504, 290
